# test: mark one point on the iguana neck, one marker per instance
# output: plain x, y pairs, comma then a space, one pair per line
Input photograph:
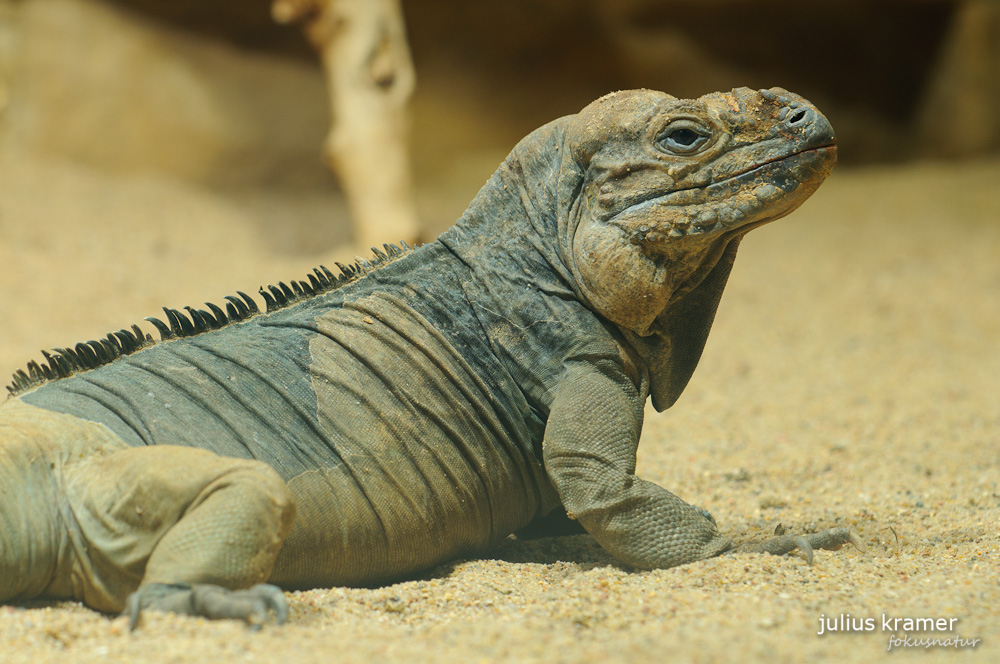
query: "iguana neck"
523, 225
513, 226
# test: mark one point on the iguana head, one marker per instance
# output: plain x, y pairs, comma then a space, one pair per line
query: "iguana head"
635, 207
668, 184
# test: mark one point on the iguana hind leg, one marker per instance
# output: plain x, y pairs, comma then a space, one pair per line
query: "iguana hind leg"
182, 518
203, 599
84, 516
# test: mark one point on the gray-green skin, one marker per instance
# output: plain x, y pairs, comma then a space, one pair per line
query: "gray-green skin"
432, 405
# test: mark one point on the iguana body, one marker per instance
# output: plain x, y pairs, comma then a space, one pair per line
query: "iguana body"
429, 406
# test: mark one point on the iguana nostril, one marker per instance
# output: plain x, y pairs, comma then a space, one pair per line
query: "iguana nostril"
799, 117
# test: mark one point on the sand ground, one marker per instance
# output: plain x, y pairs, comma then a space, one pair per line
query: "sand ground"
852, 378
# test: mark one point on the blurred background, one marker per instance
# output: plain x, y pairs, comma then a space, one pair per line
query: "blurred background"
143, 143
220, 94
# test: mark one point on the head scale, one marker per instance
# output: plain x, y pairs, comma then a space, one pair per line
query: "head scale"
668, 184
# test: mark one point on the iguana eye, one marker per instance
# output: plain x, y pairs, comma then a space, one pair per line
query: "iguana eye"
683, 138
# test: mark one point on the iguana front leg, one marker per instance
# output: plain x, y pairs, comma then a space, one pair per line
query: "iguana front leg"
831, 539
589, 451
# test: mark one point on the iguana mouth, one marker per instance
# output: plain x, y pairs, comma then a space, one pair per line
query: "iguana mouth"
817, 150
721, 205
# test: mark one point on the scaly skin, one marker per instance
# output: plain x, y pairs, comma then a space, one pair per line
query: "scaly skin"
431, 405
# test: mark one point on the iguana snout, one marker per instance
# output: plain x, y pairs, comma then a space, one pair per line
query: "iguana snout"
669, 182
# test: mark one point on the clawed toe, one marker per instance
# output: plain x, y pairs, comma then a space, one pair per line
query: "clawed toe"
214, 602
782, 543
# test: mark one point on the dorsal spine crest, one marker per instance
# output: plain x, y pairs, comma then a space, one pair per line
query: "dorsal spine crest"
65, 362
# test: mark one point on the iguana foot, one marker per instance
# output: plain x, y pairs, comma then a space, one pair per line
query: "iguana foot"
782, 543
214, 602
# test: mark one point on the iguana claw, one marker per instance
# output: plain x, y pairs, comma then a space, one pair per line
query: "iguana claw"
215, 602
830, 539
803, 544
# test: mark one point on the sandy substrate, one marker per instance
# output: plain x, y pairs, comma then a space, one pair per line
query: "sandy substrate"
852, 378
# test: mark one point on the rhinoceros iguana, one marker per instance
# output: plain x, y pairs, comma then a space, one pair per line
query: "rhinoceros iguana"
421, 406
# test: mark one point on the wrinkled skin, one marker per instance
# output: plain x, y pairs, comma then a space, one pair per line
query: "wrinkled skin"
361, 432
